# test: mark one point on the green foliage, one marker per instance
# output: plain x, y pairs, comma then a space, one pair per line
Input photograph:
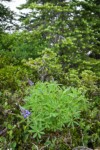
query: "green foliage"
47, 66
52, 107
14, 78
12, 124
18, 46
58, 41
89, 80
72, 37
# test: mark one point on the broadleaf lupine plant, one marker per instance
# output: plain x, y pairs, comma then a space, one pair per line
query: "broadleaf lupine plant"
53, 107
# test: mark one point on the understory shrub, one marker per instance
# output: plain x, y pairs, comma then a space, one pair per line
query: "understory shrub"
47, 66
87, 81
14, 77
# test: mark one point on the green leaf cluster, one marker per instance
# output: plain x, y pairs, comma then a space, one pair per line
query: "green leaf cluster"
53, 108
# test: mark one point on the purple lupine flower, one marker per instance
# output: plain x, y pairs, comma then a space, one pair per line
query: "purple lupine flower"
25, 113
30, 82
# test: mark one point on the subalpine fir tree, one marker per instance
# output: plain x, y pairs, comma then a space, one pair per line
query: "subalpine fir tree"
71, 28
6, 16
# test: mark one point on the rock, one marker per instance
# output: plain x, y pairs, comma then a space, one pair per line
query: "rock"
81, 148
